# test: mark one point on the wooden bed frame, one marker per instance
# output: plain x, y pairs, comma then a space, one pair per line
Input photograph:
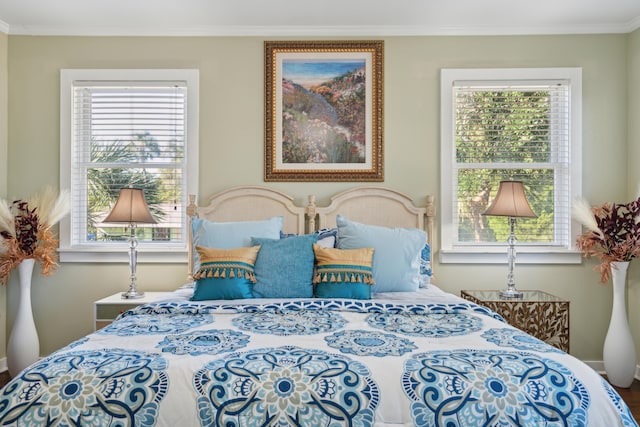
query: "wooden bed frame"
369, 205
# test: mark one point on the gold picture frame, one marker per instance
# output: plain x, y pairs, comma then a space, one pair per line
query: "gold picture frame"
324, 110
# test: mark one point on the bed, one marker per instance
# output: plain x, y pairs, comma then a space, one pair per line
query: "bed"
356, 340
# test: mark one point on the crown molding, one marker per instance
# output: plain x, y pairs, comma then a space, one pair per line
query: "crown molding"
633, 25
321, 31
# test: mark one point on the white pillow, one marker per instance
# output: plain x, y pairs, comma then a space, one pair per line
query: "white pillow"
396, 259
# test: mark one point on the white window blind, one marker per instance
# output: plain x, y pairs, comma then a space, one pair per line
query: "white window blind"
131, 132
509, 129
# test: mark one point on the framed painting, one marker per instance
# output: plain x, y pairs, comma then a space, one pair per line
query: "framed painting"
324, 110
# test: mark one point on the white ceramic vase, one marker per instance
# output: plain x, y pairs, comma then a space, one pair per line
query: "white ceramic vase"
24, 346
619, 351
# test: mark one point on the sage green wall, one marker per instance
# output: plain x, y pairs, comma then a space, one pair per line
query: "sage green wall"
633, 160
231, 148
4, 41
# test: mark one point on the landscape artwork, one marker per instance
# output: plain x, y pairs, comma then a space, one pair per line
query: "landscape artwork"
323, 110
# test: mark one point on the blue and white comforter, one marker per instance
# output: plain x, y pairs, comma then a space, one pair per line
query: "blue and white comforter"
423, 359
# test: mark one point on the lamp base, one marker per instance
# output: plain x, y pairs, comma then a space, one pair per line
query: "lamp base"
511, 293
132, 294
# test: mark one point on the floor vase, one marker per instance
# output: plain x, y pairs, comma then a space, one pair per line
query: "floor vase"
619, 351
24, 346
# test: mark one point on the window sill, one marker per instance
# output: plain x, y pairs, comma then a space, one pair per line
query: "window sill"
170, 255
532, 257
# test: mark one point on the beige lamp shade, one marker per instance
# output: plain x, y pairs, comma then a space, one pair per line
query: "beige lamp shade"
510, 201
131, 207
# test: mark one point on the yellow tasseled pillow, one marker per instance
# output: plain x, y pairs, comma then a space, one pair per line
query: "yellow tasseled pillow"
343, 273
225, 273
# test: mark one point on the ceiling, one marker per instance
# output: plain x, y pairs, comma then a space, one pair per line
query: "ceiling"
322, 17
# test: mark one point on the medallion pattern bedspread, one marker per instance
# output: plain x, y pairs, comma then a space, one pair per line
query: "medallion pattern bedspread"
310, 362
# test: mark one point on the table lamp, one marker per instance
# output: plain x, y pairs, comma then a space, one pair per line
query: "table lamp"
131, 208
511, 202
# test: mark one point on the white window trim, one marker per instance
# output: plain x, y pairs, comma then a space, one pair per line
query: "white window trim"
155, 252
497, 253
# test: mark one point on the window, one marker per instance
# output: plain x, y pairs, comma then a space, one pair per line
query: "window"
510, 124
124, 128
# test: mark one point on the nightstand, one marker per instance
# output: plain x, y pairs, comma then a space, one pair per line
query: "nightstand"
107, 309
538, 313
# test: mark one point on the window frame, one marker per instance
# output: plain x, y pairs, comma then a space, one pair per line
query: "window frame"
495, 253
157, 252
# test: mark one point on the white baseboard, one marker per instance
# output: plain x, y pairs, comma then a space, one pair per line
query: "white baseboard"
598, 366
3, 365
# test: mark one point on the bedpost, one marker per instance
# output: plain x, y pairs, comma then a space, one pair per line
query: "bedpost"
192, 210
430, 211
310, 211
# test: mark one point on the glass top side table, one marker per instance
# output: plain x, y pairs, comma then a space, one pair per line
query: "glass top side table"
543, 315
530, 296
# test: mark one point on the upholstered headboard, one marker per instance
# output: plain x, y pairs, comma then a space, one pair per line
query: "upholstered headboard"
247, 203
369, 205
377, 206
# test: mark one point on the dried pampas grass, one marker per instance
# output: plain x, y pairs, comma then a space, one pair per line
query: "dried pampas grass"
35, 239
612, 233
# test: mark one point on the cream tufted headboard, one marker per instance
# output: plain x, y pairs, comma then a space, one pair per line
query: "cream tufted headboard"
369, 205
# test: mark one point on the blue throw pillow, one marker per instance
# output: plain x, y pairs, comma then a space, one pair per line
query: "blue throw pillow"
284, 267
425, 266
327, 237
228, 235
396, 260
225, 273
